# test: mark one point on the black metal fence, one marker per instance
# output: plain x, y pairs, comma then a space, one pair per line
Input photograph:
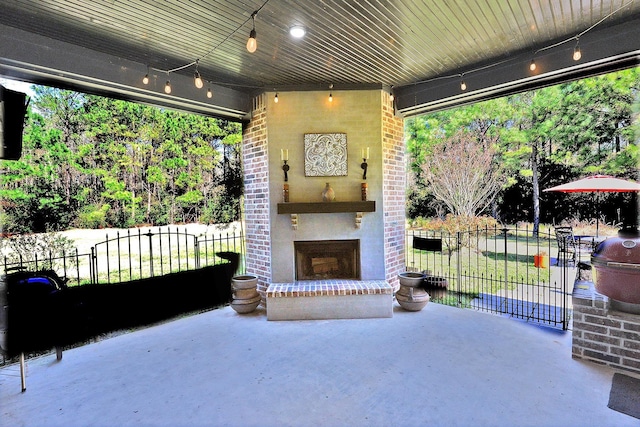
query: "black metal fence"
509, 271
137, 255
490, 269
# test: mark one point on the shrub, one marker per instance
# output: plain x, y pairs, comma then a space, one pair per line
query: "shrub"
43, 247
93, 217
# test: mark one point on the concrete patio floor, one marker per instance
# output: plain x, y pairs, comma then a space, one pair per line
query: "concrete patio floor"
442, 366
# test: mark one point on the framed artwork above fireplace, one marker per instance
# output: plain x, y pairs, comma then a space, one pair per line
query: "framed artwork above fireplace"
325, 154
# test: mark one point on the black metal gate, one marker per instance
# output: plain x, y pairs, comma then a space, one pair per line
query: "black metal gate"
506, 271
131, 256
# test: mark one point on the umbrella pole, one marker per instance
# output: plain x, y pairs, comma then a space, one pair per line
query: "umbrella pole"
597, 212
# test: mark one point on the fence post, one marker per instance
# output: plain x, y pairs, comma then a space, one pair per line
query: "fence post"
150, 234
506, 268
196, 248
564, 278
459, 266
93, 267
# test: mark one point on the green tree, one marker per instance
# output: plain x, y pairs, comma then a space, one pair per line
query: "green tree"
544, 137
93, 161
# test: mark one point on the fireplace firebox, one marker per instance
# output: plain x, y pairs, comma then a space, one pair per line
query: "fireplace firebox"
327, 259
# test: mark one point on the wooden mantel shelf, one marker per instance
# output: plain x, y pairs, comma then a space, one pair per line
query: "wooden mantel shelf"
326, 207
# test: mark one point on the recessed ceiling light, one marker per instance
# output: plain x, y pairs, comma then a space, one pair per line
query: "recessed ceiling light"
297, 31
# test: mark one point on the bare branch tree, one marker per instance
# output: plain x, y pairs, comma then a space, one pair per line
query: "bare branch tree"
462, 172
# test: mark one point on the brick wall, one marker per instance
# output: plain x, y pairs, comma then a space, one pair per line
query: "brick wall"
256, 195
604, 335
393, 187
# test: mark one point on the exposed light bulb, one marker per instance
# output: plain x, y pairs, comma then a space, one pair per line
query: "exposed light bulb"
330, 97
209, 93
532, 66
145, 79
197, 80
463, 85
576, 53
167, 87
275, 98
252, 44
391, 97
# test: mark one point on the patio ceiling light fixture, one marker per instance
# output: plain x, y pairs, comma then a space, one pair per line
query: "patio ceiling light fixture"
252, 43
330, 92
576, 51
145, 79
167, 85
197, 79
297, 31
577, 54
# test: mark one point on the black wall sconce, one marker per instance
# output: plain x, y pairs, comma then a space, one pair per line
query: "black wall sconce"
284, 156
364, 165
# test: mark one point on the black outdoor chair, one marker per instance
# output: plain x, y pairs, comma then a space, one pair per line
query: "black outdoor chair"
569, 247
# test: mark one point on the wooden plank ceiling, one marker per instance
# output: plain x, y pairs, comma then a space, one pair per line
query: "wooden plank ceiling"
354, 42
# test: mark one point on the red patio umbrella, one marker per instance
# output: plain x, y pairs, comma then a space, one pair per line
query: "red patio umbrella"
597, 184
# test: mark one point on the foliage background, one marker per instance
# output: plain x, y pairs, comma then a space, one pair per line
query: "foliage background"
542, 138
92, 162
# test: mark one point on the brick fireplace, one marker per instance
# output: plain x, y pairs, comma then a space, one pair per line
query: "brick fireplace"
273, 227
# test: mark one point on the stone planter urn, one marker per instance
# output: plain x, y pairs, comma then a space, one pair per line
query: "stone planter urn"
411, 296
245, 293
411, 279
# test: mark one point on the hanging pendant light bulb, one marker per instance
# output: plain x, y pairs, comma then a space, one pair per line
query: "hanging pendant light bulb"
252, 44
209, 93
275, 98
463, 85
532, 66
576, 51
197, 79
330, 93
167, 85
145, 79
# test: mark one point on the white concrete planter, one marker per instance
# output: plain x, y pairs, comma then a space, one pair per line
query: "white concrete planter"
245, 293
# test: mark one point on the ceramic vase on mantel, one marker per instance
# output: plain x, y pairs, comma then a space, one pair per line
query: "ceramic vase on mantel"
328, 195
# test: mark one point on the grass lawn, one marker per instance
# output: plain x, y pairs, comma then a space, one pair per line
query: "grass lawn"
487, 263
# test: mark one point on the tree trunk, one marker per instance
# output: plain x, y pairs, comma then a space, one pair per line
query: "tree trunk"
149, 204
536, 190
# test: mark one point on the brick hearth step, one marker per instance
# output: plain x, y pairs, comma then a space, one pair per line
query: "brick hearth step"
329, 299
